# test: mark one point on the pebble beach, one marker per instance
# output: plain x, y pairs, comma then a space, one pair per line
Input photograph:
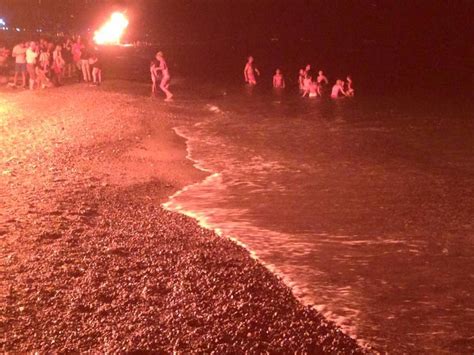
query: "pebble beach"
90, 261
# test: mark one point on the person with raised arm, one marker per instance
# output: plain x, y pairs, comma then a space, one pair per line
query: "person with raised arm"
349, 89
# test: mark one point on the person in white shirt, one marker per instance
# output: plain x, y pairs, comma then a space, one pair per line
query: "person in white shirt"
31, 56
19, 53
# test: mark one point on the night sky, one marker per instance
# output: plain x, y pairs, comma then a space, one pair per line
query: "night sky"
412, 37
446, 23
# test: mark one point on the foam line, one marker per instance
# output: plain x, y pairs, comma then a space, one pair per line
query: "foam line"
203, 221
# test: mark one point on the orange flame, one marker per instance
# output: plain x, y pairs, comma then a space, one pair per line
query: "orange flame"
112, 31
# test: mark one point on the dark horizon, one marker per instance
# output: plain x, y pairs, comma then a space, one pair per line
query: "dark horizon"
347, 24
374, 40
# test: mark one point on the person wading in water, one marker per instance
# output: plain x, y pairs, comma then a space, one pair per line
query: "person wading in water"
165, 75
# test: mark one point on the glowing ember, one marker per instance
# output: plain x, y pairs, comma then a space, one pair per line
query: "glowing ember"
112, 31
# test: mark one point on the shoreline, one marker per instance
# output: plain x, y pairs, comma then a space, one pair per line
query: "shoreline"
299, 294
92, 261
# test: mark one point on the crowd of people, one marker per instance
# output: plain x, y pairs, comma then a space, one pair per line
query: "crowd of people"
308, 86
43, 64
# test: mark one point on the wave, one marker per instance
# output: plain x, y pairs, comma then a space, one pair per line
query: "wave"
236, 223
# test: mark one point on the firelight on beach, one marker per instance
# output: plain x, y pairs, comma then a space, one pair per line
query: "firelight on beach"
112, 31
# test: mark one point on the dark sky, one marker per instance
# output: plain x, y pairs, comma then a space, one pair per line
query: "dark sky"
345, 22
389, 22
394, 39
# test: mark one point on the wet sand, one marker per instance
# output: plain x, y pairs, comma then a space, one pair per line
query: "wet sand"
91, 262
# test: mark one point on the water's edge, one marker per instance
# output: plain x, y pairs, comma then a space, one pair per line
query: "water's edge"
202, 221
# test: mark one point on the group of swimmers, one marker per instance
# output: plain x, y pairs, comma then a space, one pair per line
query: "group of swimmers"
308, 87
160, 78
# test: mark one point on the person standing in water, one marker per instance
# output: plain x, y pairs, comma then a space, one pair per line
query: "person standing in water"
322, 80
338, 88
307, 85
165, 75
249, 72
301, 77
278, 80
350, 90
314, 90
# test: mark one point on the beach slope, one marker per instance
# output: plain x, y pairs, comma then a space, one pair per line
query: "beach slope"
91, 262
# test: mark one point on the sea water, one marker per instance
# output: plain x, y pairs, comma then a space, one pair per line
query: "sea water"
363, 206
